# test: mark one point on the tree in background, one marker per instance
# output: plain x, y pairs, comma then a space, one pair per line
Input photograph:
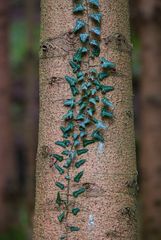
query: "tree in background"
7, 161
109, 207
31, 116
150, 111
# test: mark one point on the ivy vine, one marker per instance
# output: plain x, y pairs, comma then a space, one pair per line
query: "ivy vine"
87, 91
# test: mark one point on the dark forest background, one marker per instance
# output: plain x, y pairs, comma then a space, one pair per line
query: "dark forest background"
19, 50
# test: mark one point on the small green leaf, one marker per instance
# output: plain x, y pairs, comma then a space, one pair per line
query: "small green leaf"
78, 192
105, 89
78, 8
61, 216
75, 211
87, 142
79, 25
96, 17
90, 111
100, 125
82, 151
75, 136
60, 185
63, 144
79, 54
76, 143
93, 91
80, 117
107, 64
83, 134
74, 229
72, 81
84, 37
94, 3
78, 176
74, 66
68, 163
96, 30
94, 43
102, 75
58, 199
106, 102
60, 170
97, 136
69, 102
57, 157
66, 152
105, 113
69, 127
93, 101
75, 91
83, 106
68, 178
69, 115
80, 76
80, 163
96, 52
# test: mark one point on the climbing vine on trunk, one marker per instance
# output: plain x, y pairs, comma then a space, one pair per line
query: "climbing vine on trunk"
84, 122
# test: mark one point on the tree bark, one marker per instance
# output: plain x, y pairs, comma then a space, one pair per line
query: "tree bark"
7, 169
109, 206
150, 35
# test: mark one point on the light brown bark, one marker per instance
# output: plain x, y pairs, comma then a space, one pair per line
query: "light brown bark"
7, 165
150, 35
110, 175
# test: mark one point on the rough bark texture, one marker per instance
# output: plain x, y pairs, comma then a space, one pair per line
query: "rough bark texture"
110, 175
6, 144
150, 33
31, 117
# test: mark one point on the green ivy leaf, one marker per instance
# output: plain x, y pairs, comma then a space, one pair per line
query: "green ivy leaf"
60, 170
79, 8
69, 103
97, 136
57, 157
78, 192
96, 52
96, 17
69, 115
68, 163
75, 136
87, 142
94, 43
82, 151
102, 75
61, 217
96, 30
58, 199
79, 25
80, 163
105, 89
106, 114
60, 185
94, 3
107, 64
83, 106
68, 178
79, 54
74, 229
90, 111
84, 37
63, 144
76, 143
80, 76
75, 211
74, 66
66, 152
106, 102
100, 125
78, 177
93, 91
83, 134
72, 81
93, 101
75, 91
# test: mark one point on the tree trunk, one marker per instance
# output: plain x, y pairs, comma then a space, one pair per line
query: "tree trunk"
108, 207
7, 164
31, 117
150, 35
